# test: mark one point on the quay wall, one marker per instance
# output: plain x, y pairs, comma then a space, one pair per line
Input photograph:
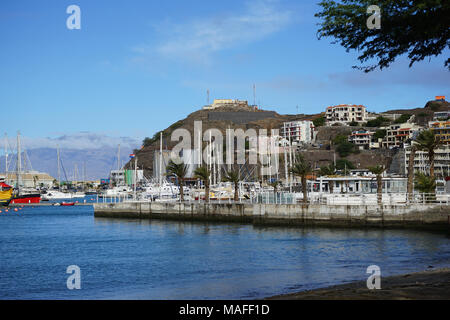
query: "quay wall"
415, 215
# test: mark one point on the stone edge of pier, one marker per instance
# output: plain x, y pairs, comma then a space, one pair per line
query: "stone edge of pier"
434, 216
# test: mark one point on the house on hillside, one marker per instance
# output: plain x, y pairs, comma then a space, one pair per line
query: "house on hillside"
345, 114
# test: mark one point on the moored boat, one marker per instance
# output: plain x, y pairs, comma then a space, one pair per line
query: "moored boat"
26, 198
5, 194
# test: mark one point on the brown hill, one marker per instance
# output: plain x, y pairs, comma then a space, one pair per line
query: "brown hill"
222, 118
241, 117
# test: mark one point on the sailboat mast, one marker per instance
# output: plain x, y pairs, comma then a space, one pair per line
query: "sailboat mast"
59, 168
6, 155
118, 158
160, 160
19, 161
135, 177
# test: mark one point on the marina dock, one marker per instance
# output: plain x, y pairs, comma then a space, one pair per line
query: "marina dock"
422, 216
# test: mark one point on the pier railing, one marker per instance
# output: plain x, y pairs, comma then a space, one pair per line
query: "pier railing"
362, 199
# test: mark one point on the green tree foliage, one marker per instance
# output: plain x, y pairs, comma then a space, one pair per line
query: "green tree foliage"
419, 29
403, 118
380, 134
345, 149
302, 168
233, 177
425, 183
319, 122
179, 171
340, 138
428, 142
203, 174
378, 122
328, 170
343, 164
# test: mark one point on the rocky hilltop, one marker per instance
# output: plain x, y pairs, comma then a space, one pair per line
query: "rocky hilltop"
246, 117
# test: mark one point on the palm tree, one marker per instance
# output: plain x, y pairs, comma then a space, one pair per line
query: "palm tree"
179, 171
425, 183
203, 174
428, 142
302, 168
378, 171
410, 187
233, 177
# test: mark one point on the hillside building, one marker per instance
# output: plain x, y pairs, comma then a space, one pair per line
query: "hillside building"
398, 134
345, 114
441, 129
441, 116
365, 139
298, 132
226, 102
441, 162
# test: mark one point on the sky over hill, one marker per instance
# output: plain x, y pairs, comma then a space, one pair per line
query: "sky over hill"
136, 67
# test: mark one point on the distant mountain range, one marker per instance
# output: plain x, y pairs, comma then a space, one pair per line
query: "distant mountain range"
99, 162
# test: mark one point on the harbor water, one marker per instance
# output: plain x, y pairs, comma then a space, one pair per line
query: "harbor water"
142, 259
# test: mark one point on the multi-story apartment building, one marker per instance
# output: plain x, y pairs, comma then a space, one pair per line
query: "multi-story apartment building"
398, 134
422, 164
345, 114
298, 132
441, 116
441, 129
362, 138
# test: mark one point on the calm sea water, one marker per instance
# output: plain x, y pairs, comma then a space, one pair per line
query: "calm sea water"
129, 259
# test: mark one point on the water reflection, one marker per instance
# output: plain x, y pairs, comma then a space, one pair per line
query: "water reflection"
154, 259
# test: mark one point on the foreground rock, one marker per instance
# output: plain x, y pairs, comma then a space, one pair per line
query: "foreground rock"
429, 285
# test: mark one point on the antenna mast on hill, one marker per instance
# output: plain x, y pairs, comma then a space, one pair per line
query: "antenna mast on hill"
254, 95
118, 158
207, 97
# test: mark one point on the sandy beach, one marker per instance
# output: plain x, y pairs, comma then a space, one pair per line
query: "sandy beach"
426, 285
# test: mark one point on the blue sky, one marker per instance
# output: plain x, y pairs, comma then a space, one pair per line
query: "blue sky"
136, 67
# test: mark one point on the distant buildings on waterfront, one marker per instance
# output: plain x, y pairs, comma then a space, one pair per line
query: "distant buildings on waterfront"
29, 179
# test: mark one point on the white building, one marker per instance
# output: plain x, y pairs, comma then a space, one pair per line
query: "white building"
398, 134
224, 102
361, 138
441, 162
345, 114
125, 177
298, 132
29, 179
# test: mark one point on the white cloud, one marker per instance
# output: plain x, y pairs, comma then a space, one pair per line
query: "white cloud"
198, 39
77, 141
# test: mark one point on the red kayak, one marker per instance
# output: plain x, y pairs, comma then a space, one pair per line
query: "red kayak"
68, 204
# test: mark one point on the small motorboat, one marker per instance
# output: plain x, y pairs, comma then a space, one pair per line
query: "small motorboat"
67, 204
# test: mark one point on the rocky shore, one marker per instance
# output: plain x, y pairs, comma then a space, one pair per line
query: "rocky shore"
427, 285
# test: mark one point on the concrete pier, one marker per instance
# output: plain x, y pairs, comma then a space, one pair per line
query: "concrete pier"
429, 216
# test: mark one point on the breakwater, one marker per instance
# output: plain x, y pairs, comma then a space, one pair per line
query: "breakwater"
433, 216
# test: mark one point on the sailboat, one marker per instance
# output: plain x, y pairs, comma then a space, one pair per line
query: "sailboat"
18, 196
